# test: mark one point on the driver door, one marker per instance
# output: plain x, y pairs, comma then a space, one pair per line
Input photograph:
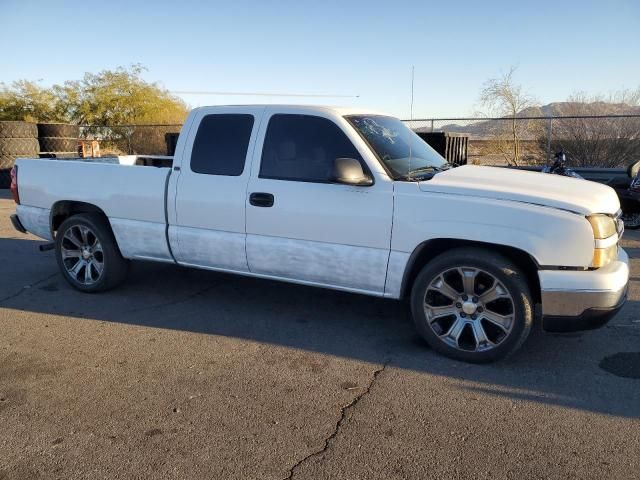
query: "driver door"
311, 230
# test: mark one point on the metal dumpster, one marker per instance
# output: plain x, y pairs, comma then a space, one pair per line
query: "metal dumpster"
171, 139
452, 146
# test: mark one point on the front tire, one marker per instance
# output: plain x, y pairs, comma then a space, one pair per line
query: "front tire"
88, 255
473, 305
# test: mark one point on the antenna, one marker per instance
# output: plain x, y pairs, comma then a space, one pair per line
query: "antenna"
413, 70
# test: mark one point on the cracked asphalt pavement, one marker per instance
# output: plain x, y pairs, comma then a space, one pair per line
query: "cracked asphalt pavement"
188, 374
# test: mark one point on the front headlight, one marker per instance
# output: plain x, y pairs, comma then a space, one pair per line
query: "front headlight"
606, 248
603, 226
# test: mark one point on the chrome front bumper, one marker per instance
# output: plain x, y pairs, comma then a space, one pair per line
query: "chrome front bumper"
583, 299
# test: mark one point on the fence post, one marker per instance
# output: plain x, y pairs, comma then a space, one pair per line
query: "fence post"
549, 133
432, 125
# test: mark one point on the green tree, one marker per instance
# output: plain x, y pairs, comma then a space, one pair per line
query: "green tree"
106, 98
26, 100
118, 97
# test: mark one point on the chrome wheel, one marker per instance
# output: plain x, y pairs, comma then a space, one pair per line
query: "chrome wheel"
82, 254
469, 309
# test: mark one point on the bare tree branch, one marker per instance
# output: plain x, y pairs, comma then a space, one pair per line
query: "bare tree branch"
502, 97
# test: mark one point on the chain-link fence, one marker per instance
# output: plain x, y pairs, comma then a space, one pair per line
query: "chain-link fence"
587, 140
130, 139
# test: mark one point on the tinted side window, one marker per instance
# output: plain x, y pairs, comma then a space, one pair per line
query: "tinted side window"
221, 144
303, 148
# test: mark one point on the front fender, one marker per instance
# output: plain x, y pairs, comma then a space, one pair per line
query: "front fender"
551, 237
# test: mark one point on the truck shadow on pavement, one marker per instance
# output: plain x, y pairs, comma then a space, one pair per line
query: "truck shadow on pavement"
550, 369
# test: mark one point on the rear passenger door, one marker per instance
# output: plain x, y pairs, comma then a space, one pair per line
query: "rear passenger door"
209, 228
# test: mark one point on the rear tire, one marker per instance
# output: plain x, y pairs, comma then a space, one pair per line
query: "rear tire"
5, 177
7, 161
473, 305
17, 129
88, 255
6, 164
55, 144
60, 130
19, 146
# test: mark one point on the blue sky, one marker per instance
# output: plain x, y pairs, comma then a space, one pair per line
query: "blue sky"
363, 48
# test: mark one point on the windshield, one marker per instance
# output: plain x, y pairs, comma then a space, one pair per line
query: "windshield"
403, 152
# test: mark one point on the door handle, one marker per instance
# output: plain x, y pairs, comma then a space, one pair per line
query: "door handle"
261, 199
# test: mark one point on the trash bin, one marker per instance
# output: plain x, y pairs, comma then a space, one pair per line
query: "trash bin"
172, 140
452, 146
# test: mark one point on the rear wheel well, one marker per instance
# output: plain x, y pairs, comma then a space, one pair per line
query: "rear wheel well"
430, 249
66, 208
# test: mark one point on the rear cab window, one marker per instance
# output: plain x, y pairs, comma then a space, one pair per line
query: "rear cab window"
221, 144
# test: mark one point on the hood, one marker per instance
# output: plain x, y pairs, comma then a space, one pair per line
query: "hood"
566, 193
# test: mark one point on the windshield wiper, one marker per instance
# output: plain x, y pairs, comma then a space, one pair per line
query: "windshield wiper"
427, 172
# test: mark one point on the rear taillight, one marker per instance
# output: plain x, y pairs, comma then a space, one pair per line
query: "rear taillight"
14, 185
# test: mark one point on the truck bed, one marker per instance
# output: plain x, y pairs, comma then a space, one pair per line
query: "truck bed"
130, 160
131, 195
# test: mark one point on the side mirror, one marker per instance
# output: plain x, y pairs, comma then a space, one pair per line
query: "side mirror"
348, 171
633, 169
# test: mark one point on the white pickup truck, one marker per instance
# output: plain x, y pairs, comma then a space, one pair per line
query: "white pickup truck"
345, 199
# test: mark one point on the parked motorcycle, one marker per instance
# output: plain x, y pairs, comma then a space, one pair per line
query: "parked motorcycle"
559, 166
630, 199
629, 194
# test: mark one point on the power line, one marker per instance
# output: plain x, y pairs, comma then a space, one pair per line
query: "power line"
263, 94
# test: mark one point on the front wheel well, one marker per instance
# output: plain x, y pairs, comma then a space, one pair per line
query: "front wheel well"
66, 208
427, 251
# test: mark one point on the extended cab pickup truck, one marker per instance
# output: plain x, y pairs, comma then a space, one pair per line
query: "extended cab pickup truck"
345, 199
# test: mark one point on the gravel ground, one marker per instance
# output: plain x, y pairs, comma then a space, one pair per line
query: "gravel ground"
192, 374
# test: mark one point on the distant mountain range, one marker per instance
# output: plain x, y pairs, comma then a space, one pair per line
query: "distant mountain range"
483, 128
